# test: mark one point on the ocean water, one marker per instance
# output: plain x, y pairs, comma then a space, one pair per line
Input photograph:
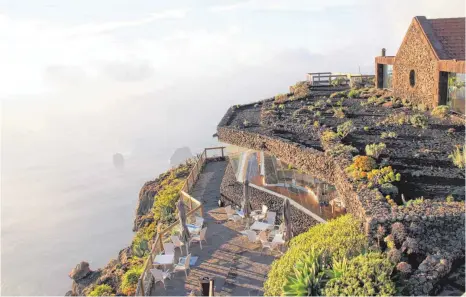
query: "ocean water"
62, 199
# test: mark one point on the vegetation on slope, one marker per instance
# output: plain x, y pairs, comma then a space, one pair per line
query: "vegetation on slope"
340, 237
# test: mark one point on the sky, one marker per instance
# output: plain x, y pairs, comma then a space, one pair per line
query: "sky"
134, 47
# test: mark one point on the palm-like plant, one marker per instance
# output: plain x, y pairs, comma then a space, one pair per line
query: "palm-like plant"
307, 277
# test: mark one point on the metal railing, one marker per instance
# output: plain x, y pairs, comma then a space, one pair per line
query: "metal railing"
194, 208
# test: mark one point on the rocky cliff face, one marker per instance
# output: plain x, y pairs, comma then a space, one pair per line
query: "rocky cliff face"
84, 279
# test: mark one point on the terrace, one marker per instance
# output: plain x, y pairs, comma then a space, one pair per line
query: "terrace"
236, 265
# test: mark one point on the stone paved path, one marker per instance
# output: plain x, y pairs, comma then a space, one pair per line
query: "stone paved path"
238, 267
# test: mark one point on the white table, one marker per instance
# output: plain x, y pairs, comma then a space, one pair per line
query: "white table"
164, 260
260, 226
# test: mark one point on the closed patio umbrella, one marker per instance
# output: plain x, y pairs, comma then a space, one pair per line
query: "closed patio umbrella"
287, 220
246, 207
184, 232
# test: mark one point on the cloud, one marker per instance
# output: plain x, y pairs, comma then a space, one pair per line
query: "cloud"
99, 28
278, 5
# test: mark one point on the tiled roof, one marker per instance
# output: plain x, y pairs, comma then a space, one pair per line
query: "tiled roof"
447, 36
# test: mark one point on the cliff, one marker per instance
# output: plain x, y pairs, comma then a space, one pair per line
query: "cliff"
117, 277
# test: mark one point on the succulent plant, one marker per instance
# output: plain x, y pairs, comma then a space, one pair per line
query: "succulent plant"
307, 277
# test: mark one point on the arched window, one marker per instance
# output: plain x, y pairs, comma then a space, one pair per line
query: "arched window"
412, 78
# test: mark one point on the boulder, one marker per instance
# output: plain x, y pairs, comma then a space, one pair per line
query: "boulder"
80, 271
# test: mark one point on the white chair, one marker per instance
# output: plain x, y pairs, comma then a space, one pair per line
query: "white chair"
252, 236
199, 237
266, 244
199, 221
160, 276
271, 215
278, 229
177, 242
183, 264
168, 248
232, 216
260, 214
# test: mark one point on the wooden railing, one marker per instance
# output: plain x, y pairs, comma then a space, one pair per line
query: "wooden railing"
326, 78
194, 208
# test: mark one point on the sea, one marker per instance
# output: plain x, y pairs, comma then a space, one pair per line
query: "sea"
62, 198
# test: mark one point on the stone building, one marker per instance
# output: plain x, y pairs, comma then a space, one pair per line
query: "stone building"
429, 67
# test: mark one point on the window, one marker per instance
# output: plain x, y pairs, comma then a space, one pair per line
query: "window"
456, 91
387, 76
412, 78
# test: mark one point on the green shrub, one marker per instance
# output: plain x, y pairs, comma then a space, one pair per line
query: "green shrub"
416, 201
440, 111
329, 136
388, 135
300, 90
342, 149
339, 237
359, 168
375, 149
306, 279
353, 93
281, 98
321, 104
450, 198
458, 156
389, 189
383, 175
419, 120
344, 129
101, 290
366, 128
338, 112
395, 119
130, 280
366, 275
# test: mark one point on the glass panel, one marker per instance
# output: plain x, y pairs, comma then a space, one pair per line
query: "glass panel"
456, 91
387, 76
269, 172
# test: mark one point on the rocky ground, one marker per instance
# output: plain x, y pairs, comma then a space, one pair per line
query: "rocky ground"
421, 155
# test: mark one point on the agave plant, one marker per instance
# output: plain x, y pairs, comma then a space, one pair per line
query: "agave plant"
307, 276
339, 267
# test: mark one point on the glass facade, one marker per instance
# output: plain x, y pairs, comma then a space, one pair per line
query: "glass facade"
387, 76
269, 172
456, 91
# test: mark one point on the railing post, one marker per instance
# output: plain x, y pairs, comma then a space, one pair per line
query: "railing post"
141, 284
190, 203
161, 241
222, 153
202, 210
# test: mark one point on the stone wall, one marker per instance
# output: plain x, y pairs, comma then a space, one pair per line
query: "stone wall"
415, 53
364, 203
232, 193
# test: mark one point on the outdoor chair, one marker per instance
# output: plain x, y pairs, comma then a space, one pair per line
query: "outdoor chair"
168, 248
278, 229
270, 219
231, 214
199, 221
183, 264
160, 276
252, 236
260, 214
266, 244
199, 237
177, 242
